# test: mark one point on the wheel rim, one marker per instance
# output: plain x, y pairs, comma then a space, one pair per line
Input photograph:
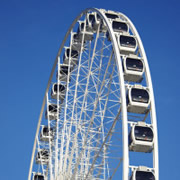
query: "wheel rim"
93, 112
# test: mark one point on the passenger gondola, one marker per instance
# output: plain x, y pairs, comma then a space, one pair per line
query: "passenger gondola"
82, 29
141, 138
89, 21
76, 42
63, 72
111, 15
142, 173
38, 176
98, 21
42, 157
51, 112
46, 133
70, 55
54, 91
133, 68
138, 99
127, 44
119, 26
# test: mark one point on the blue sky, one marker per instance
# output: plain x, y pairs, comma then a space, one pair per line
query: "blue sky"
30, 35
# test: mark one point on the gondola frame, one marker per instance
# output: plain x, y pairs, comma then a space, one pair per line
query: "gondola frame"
42, 159
137, 107
89, 22
37, 174
131, 75
51, 115
76, 44
138, 145
44, 137
98, 21
124, 49
117, 33
140, 168
73, 60
63, 76
88, 34
110, 12
54, 94
120, 32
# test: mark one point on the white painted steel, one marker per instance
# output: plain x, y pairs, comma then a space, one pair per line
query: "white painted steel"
153, 109
44, 100
123, 99
59, 167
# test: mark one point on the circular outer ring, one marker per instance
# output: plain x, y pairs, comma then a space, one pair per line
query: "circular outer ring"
122, 89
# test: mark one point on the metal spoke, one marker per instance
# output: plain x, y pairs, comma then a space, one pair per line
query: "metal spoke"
90, 113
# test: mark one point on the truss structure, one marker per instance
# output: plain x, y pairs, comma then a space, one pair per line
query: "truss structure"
84, 123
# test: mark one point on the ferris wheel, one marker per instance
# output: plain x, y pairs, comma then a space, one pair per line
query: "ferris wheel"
98, 117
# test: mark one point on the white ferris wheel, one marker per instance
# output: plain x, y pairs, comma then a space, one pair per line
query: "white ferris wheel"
98, 117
